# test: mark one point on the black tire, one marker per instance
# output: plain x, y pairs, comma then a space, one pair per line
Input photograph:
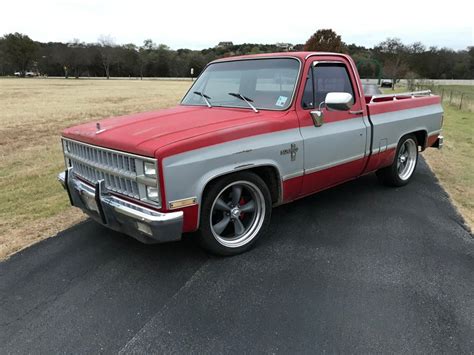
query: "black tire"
391, 175
214, 214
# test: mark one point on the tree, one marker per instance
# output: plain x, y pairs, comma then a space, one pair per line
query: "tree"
20, 50
144, 55
106, 49
393, 53
129, 59
325, 41
471, 61
78, 57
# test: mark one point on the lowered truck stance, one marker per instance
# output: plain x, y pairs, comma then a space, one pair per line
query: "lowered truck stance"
252, 132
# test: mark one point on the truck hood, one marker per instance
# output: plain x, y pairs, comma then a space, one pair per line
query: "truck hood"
144, 133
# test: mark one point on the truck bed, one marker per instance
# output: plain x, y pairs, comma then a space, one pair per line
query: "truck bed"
393, 116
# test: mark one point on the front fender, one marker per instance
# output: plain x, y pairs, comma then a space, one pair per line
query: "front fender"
186, 174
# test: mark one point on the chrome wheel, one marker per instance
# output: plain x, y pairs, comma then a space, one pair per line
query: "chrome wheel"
406, 160
237, 214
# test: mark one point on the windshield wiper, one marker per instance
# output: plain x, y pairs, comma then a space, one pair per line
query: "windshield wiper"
243, 98
204, 97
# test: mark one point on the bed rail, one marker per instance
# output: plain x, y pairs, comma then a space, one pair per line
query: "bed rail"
394, 97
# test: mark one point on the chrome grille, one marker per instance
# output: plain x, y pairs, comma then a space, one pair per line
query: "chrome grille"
122, 172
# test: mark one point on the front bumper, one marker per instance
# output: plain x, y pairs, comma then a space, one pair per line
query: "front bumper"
139, 222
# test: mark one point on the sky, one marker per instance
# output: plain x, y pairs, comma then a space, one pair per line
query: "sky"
202, 24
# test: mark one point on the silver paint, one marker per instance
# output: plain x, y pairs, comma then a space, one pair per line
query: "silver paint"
187, 174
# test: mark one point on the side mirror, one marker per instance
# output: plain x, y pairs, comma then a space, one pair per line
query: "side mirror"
339, 101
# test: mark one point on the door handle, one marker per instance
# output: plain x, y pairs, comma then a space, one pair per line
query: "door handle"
358, 112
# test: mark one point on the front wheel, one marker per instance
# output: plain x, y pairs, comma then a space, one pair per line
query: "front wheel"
404, 164
236, 211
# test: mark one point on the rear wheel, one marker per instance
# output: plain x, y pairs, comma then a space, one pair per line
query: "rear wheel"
235, 212
404, 164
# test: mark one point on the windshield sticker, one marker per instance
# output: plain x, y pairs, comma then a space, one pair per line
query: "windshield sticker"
281, 101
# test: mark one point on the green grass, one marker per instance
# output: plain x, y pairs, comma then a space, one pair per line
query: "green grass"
454, 164
460, 96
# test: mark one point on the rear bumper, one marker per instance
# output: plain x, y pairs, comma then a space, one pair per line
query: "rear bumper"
439, 142
139, 222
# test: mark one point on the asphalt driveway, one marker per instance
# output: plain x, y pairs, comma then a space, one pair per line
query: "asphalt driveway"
356, 269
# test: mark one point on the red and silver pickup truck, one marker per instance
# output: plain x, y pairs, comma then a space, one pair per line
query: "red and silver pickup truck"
252, 132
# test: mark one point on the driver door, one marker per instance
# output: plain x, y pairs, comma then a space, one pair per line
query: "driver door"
335, 151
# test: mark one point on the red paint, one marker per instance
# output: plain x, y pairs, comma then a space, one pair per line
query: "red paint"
292, 189
261, 123
311, 183
432, 140
326, 178
402, 104
308, 184
380, 160
191, 218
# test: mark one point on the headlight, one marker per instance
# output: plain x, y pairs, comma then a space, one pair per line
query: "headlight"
152, 193
151, 188
149, 169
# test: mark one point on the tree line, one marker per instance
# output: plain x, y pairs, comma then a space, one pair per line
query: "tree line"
389, 59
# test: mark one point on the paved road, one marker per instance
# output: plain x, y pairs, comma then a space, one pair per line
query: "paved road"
371, 89
359, 268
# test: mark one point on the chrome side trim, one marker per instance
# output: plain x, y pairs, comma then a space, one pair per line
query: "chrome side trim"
333, 164
294, 175
388, 147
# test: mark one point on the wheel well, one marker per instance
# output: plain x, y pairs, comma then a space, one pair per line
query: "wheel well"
269, 174
421, 138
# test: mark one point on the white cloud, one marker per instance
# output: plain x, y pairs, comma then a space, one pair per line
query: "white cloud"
201, 24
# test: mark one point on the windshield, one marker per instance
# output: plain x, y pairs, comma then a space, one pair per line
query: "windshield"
268, 84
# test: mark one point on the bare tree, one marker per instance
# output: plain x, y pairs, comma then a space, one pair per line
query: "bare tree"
393, 53
106, 49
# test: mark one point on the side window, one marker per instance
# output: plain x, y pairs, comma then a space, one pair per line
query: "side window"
308, 96
327, 77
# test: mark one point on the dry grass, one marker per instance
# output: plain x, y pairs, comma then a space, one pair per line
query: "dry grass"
33, 113
454, 164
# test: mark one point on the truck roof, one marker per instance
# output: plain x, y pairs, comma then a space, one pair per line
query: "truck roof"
299, 55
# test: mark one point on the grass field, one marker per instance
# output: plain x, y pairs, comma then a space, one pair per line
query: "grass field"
34, 111
454, 164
